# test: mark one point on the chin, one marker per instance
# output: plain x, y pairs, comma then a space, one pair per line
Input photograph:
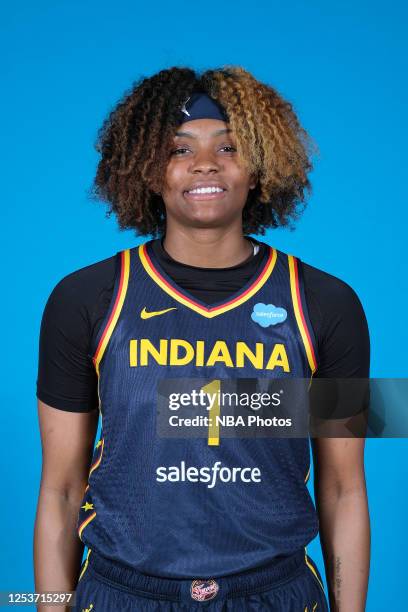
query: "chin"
209, 216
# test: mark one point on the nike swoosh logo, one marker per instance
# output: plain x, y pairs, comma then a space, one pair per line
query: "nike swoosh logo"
146, 315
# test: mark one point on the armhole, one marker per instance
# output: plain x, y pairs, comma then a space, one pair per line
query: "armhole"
115, 306
301, 312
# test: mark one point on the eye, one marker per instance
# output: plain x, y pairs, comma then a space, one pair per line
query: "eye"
175, 151
181, 150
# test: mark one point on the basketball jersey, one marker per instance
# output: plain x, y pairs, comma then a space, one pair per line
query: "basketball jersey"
182, 506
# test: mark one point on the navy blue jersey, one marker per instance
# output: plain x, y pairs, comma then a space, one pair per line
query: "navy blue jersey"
195, 505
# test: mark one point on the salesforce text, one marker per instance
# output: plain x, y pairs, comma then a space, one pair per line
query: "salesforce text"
208, 474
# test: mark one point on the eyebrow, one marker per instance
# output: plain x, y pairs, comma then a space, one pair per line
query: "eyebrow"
216, 133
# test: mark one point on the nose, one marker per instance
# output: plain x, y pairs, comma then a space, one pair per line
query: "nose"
204, 162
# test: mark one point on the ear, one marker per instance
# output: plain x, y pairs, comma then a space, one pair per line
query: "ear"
254, 181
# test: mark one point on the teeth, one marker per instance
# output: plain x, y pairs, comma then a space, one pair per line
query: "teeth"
206, 190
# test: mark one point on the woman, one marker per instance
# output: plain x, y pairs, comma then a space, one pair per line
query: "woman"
174, 517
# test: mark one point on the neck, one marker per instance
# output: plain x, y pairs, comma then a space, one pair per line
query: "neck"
207, 248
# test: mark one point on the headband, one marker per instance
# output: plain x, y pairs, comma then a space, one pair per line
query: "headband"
201, 106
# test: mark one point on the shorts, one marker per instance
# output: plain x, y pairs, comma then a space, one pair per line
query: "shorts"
289, 584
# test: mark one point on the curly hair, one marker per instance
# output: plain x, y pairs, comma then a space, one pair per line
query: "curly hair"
135, 139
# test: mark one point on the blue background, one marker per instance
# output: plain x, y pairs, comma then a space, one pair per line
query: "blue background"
66, 64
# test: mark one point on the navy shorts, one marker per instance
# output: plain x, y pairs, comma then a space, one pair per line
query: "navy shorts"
289, 584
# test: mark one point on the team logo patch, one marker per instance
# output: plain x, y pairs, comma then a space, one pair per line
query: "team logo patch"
203, 590
268, 314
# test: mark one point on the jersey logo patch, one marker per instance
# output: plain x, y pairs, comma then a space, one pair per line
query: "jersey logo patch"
268, 314
154, 313
203, 590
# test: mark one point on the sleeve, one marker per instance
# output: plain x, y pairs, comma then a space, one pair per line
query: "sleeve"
341, 328
66, 375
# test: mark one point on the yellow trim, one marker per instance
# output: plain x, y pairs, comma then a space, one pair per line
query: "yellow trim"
296, 307
196, 307
93, 467
85, 565
314, 607
312, 569
308, 474
121, 299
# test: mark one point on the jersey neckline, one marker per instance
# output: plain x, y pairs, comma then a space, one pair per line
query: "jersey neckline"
167, 284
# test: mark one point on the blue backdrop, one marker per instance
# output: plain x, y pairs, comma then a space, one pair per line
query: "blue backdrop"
65, 66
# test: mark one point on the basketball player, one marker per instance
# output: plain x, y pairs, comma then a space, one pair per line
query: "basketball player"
178, 521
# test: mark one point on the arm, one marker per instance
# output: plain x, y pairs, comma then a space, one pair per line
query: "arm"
341, 329
67, 445
68, 417
341, 503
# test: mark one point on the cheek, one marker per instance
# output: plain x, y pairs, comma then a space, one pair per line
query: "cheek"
240, 176
175, 171
242, 184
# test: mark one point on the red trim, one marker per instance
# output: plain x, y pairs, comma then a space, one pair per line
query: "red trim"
259, 278
301, 312
122, 276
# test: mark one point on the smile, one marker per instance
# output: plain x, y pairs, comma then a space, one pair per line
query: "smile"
205, 193
206, 190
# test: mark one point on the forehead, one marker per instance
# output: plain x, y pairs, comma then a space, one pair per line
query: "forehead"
203, 128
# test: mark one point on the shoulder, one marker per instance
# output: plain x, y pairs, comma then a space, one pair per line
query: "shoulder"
95, 273
89, 280
337, 313
322, 286
329, 291
338, 321
78, 293
66, 378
